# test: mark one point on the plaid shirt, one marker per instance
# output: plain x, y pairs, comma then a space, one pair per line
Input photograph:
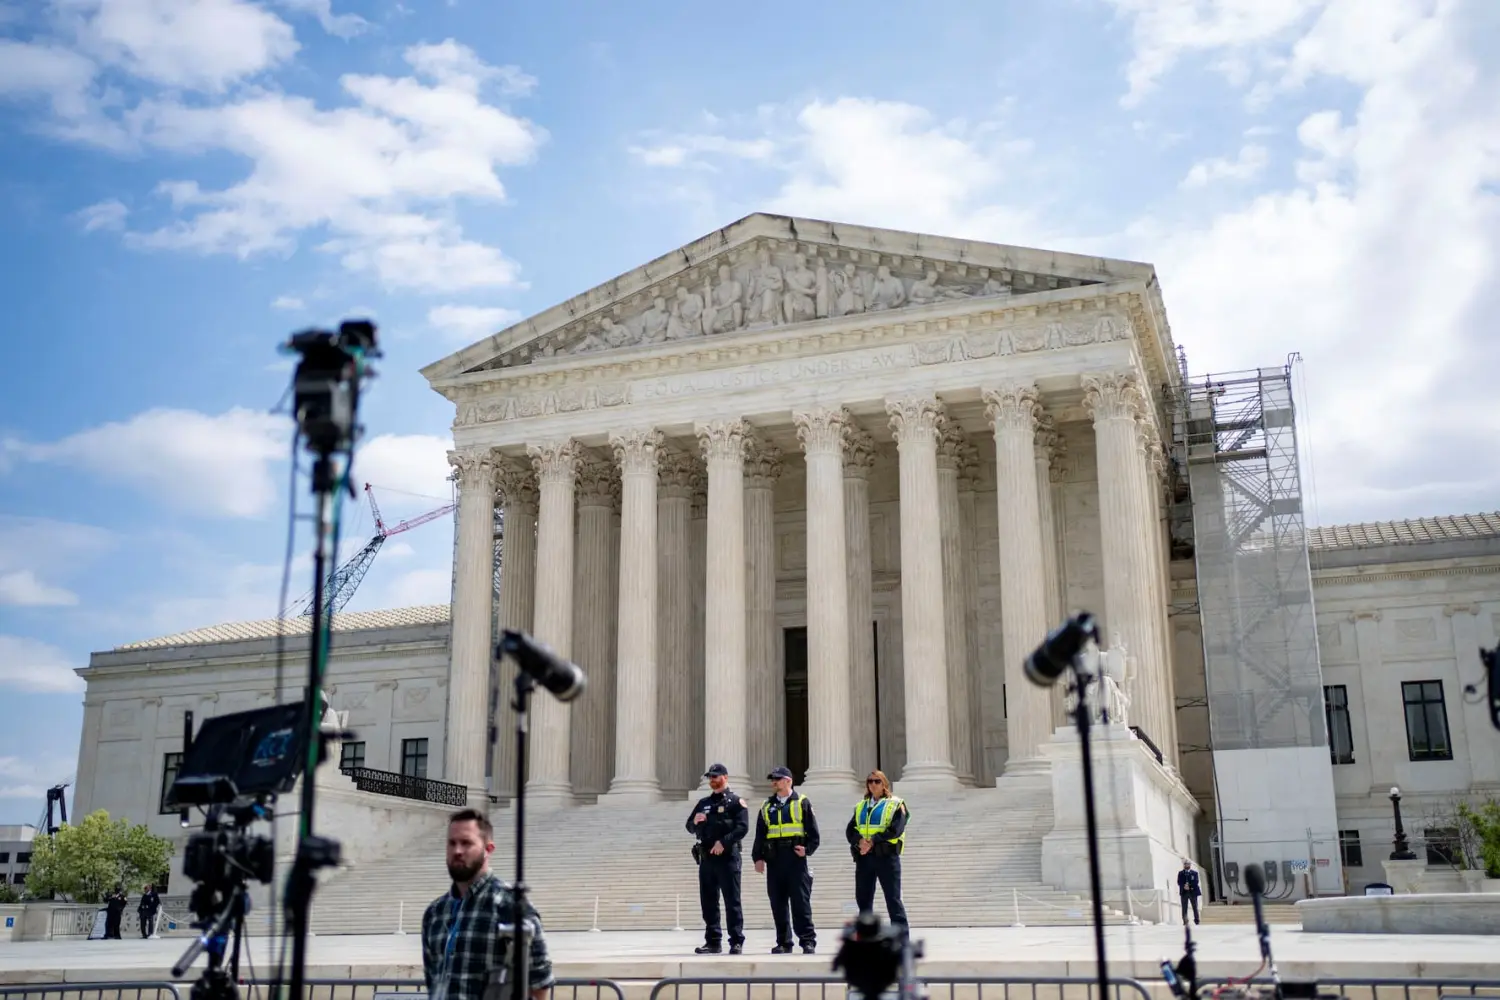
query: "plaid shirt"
469, 923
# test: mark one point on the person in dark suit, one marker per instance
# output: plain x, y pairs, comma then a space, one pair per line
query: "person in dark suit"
148, 907
1188, 890
719, 822
114, 909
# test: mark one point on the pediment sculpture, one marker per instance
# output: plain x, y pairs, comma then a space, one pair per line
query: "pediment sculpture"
771, 285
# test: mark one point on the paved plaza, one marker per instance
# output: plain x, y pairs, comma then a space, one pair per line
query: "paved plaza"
1228, 950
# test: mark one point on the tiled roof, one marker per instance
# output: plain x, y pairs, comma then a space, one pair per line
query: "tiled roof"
268, 628
1448, 528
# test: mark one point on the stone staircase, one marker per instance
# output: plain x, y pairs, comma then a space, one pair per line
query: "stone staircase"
972, 859
1243, 913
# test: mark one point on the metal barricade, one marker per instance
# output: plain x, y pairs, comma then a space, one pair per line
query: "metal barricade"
938, 988
370, 989
1386, 989
90, 991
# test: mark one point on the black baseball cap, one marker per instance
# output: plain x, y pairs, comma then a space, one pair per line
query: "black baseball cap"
716, 771
779, 772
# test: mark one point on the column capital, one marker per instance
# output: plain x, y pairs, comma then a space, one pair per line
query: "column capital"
763, 464
555, 461
1113, 396
968, 467
859, 453
637, 450
1012, 406
516, 485
596, 481
914, 418
1051, 446
722, 440
475, 468
821, 431
679, 474
951, 441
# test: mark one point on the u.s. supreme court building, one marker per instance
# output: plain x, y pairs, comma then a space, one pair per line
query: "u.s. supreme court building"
808, 493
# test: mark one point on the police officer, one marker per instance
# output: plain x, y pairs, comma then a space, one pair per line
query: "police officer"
786, 835
720, 821
877, 836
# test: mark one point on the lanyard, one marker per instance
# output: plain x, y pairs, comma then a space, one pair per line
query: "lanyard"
452, 935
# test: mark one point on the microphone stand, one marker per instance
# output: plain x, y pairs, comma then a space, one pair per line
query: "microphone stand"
525, 685
1081, 680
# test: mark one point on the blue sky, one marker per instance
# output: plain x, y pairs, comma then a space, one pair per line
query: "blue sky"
184, 182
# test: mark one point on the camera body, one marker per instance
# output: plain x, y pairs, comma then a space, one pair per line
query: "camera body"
225, 855
875, 955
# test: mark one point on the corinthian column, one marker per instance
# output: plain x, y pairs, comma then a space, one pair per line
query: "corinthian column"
968, 484
473, 590
517, 487
556, 467
859, 460
914, 420
635, 705
1114, 400
590, 739
765, 692
1013, 411
960, 734
724, 682
1048, 451
677, 757
821, 433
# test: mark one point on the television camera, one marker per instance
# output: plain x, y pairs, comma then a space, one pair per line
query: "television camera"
234, 769
873, 956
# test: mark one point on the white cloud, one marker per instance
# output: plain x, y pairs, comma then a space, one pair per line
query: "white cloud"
1247, 166
216, 465
30, 777
410, 463
364, 173
23, 589
466, 324
870, 162
1378, 264
109, 214
456, 65
36, 667
341, 25
197, 44
288, 302
1234, 31
423, 586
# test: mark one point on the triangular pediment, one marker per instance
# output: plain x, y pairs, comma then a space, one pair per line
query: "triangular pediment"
770, 271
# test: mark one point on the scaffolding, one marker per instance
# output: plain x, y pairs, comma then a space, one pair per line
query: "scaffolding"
1241, 516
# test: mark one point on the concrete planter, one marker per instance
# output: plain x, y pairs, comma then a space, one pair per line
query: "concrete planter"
1473, 879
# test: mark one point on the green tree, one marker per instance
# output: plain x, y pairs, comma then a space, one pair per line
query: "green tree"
8, 894
83, 861
1485, 822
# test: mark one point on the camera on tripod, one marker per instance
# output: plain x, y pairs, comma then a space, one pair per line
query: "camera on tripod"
233, 769
875, 955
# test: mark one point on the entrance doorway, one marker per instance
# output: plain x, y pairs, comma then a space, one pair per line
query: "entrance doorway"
794, 647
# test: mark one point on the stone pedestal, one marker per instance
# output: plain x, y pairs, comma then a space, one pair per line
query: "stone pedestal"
1145, 816
1404, 876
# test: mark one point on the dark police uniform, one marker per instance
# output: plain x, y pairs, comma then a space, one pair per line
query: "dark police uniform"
726, 820
883, 822
1188, 892
780, 828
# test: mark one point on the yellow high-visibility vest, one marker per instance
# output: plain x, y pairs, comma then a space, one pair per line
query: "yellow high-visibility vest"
872, 816
778, 831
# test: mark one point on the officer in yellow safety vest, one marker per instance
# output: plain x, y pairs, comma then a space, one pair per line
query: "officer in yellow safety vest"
786, 835
877, 836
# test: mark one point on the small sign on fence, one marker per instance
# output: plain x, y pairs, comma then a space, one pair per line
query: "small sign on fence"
10, 921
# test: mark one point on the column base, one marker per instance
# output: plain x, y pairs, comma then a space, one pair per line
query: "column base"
632, 791
831, 785
550, 796
479, 798
927, 778
1029, 767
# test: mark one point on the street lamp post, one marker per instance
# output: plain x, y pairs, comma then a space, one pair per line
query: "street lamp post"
1403, 851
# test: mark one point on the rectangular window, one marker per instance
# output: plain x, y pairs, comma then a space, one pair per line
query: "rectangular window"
1426, 721
1349, 850
351, 755
414, 758
170, 764
24, 858
19, 878
4, 856
1336, 711
1442, 845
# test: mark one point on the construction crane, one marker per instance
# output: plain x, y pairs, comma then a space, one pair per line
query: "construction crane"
344, 581
48, 822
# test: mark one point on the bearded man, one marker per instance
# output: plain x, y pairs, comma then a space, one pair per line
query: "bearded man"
465, 955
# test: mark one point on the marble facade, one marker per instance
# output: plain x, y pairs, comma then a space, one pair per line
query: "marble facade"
779, 377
